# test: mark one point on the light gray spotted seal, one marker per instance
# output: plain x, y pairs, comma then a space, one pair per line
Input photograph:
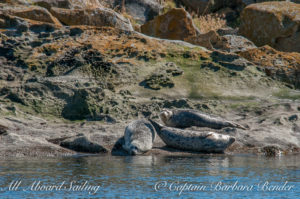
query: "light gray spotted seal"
208, 142
183, 118
139, 136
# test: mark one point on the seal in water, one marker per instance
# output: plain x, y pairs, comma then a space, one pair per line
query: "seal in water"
184, 118
138, 137
193, 140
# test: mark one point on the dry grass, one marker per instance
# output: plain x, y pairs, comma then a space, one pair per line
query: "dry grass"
209, 22
168, 5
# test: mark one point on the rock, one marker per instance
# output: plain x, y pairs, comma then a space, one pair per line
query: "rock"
293, 118
67, 4
92, 17
11, 22
207, 6
32, 12
229, 43
282, 65
176, 24
202, 6
3, 129
227, 31
173, 69
77, 107
238, 43
157, 80
272, 151
272, 23
141, 10
162, 77
81, 143
230, 60
210, 40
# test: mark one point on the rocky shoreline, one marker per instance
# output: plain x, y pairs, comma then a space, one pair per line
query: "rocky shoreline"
69, 88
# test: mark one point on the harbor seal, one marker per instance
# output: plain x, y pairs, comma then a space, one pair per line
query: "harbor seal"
209, 142
139, 136
184, 118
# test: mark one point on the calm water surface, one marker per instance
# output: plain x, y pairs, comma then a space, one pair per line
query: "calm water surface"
207, 176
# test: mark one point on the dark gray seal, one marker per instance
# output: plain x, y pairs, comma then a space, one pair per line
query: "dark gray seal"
183, 118
139, 136
208, 142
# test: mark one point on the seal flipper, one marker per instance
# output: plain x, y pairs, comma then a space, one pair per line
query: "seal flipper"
236, 125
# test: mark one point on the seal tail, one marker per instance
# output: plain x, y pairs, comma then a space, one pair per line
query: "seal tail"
156, 125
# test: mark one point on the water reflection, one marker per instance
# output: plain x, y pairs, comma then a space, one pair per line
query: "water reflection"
136, 175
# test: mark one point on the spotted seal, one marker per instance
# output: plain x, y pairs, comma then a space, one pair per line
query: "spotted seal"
138, 137
183, 118
209, 142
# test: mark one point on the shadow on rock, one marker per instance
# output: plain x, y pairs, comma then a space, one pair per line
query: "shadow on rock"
79, 143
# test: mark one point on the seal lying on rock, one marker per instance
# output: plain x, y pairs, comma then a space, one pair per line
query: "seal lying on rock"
186, 118
138, 137
193, 140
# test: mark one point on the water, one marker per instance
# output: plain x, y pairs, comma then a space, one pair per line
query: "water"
207, 176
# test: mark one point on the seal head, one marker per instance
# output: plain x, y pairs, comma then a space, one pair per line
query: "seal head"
139, 136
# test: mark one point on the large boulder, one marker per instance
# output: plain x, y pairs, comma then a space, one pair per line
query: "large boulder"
92, 17
272, 23
30, 12
176, 24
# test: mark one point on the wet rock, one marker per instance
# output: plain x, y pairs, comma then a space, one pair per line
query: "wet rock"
92, 17
176, 24
271, 151
82, 143
272, 23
